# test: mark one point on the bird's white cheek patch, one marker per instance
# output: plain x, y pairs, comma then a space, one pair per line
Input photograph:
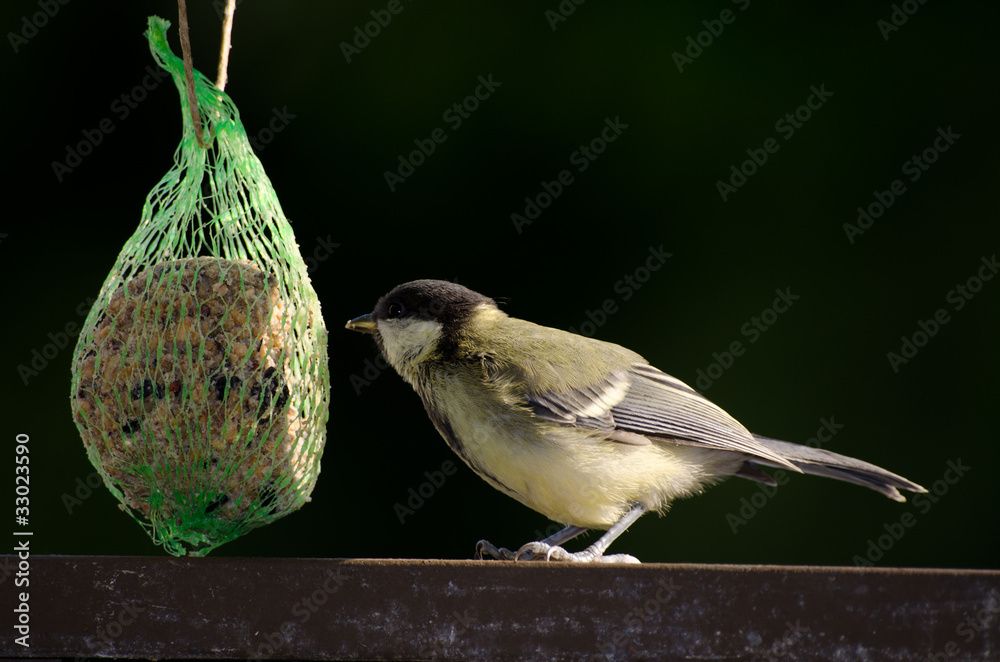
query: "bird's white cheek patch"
407, 344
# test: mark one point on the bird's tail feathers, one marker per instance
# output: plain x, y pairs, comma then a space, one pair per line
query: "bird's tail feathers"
840, 467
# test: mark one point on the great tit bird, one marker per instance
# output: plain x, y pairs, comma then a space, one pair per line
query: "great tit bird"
583, 431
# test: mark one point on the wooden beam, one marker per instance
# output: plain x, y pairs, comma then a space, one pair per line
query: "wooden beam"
356, 609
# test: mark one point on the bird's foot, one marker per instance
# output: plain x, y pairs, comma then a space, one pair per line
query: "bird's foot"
541, 551
488, 548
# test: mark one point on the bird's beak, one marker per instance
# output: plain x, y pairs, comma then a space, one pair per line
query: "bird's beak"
364, 324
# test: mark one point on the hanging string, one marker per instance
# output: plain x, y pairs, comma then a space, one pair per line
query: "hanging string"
188, 69
227, 31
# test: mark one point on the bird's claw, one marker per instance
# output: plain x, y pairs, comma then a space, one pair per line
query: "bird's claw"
501, 553
540, 551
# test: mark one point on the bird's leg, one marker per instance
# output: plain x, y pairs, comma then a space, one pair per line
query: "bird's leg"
549, 550
504, 554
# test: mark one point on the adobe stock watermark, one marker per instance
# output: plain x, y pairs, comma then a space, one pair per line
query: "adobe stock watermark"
417, 497
454, 116
59, 340
108, 632
303, 609
381, 18
794, 632
898, 17
894, 531
563, 11
280, 119
913, 168
623, 644
753, 329
713, 30
437, 648
625, 288
83, 489
959, 296
974, 624
371, 371
550, 530
30, 25
787, 125
584, 155
324, 248
121, 108
749, 507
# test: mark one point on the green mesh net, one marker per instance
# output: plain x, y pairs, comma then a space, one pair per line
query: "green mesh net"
200, 384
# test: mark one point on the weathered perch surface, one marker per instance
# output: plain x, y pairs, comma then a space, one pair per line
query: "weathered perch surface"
267, 608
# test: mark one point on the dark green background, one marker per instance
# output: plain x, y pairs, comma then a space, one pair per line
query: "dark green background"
654, 186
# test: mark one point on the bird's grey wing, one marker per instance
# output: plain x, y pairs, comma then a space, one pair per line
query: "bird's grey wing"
647, 402
661, 405
588, 407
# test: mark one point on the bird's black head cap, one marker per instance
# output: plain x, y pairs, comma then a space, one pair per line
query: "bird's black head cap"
449, 304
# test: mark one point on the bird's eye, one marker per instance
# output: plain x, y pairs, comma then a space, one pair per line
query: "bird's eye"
395, 310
